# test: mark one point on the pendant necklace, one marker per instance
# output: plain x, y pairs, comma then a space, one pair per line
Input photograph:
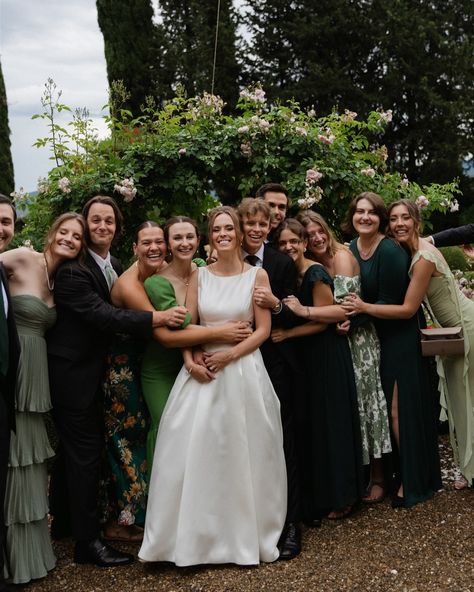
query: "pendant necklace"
48, 281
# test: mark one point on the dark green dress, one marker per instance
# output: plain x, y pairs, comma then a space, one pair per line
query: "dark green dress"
160, 364
385, 280
335, 473
126, 427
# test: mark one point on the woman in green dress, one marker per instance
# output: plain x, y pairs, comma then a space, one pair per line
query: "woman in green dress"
29, 553
384, 273
432, 280
364, 344
334, 464
125, 412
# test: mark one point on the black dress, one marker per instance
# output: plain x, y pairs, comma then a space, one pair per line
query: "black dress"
335, 473
384, 279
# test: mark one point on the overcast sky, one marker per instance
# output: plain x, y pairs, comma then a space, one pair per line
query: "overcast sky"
40, 39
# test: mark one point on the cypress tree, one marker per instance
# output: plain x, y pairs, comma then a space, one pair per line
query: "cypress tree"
6, 163
185, 57
128, 32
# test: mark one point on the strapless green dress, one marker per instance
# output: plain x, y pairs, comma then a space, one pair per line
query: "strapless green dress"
28, 548
160, 364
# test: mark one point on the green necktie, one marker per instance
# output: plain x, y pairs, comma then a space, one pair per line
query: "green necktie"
3, 336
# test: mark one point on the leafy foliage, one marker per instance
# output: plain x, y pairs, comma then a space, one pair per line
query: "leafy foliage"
182, 158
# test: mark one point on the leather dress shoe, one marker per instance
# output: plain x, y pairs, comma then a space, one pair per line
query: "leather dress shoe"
313, 522
290, 542
100, 553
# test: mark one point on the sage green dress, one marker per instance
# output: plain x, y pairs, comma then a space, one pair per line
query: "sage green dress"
160, 365
384, 279
365, 351
451, 308
29, 553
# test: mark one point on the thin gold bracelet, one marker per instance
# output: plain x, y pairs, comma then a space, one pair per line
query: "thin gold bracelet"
307, 310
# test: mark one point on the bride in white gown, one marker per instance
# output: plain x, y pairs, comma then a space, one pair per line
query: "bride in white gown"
218, 485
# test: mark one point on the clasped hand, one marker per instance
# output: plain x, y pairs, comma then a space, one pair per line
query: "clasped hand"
295, 306
352, 305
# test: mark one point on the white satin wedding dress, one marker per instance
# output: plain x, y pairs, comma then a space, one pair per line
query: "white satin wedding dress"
218, 485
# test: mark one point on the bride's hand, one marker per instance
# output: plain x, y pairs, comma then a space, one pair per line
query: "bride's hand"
200, 373
218, 360
352, 305
295, 305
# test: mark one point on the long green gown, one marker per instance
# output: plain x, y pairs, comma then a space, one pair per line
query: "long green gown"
29, 553
450, 307
334, 475
160, 365
385, 280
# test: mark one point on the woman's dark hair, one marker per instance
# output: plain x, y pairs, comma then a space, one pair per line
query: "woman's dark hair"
146, 224
378, 205
58, 223
179, 220
108, 201
294, 226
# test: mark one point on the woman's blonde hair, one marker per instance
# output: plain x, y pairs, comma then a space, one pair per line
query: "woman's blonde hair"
309, 216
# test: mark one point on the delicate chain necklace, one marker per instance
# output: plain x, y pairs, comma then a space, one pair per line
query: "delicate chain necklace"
48, 281
366, 253
184, 280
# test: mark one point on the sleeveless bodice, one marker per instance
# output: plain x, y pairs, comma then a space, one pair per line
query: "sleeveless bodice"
225, 298
32, 315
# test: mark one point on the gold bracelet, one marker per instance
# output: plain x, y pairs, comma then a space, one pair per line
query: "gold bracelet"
307, 310
190, 370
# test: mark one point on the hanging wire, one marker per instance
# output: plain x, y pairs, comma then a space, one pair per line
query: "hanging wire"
215, 45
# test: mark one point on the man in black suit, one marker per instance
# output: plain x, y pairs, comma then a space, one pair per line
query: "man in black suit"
9, 355
276, 196
463, 235
279, 358
77, 345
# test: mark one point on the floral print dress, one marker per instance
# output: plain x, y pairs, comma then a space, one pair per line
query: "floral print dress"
126, 428
365, 351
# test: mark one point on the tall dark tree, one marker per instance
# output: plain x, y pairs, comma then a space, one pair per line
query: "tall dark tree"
187, 34
314, 52
414, 57
6, 163
128, 31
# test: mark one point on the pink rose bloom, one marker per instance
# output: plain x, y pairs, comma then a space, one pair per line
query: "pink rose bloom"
313, 176
368, 172
243, 129
422, 202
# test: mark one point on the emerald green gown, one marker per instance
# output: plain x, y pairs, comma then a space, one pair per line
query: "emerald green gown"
160, 365
385, 281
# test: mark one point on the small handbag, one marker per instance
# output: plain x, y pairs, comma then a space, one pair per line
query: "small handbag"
445, 341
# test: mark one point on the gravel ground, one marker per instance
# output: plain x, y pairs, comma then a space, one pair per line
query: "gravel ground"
427, 548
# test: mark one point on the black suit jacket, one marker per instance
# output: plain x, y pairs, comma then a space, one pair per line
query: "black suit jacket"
451, 237
282, 274
8, 389
86, 322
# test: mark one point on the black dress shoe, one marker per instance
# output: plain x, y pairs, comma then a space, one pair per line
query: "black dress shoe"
398, 501
313, 522
290, 542
100, 553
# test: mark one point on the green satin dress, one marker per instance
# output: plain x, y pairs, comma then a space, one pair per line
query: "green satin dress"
160, 364
384, 279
